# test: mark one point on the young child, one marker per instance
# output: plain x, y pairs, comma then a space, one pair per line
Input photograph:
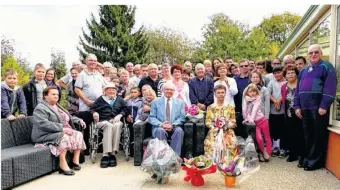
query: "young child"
33, 90
252, 114
277, 116
148, 95
133, 105
12, 97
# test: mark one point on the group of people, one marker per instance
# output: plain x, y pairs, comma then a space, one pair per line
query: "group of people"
285, 109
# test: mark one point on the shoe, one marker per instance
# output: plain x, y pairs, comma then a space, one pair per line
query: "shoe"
260, 156
310, 168
283, 153
292, 158
75, 166
300, 165
70, 172
266, 156
112, 161
104, 162
275, 152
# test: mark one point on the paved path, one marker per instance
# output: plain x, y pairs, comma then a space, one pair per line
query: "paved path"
275, 175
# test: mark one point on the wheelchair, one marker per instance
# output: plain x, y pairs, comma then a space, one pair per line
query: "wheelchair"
95, 140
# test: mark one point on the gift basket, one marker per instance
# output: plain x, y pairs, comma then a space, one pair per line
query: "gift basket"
233, 155
194, 114
196, 167
160, 161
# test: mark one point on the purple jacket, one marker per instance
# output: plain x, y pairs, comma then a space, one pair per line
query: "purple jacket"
316, 87
8, 107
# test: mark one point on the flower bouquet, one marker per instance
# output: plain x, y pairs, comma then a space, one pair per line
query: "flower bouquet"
160, 161
194, 113
196, 167
233, 156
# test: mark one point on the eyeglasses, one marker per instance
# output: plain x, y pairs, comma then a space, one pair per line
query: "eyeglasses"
244, 66
313, 52
276, 63
259, 68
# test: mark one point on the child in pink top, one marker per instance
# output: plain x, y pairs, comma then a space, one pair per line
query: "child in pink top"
252, 114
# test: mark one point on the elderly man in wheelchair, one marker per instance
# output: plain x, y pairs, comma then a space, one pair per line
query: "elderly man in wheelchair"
108, 111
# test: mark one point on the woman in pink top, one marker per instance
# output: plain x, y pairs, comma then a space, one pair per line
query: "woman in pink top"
181, 87
252, 114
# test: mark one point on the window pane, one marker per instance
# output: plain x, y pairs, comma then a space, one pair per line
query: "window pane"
336, 114
303, 48
321, 36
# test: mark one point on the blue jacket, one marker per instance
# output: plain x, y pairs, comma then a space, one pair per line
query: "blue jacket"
133, 105
8, 107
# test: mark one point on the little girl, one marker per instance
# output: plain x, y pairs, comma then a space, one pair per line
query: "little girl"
252, 114
148, 95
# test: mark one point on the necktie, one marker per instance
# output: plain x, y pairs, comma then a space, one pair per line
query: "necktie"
168, 110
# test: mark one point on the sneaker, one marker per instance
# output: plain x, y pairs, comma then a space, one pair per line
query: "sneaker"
275, 152
283, 153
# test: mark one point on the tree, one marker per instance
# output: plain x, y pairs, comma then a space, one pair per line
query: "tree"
167, 45
8, 49
58, 62
11, 63
112, 39
278, 27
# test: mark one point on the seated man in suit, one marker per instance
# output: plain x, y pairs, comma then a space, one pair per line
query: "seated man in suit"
166, 117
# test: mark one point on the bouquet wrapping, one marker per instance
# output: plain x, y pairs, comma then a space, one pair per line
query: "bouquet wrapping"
196, 167
194, 114
160, 160
234, 155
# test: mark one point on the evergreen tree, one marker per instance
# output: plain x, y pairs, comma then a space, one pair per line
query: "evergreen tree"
112, 39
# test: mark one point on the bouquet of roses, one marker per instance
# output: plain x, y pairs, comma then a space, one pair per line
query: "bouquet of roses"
194, 113
196, 167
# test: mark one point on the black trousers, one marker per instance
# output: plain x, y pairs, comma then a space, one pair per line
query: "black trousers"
316, 137
240, 130
86, 116
296, 141
278, 130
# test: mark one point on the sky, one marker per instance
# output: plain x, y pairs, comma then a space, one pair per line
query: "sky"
38, 29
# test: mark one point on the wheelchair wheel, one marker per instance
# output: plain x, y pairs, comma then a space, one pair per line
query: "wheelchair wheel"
93, 156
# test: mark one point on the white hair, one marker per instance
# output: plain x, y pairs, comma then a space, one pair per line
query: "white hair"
107, 64
286, 57
152, 65
137, 66
199, 65
91, 55
315, 46
188, 63
169, 84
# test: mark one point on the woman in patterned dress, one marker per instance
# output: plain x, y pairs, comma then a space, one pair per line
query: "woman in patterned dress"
53, 126
218, 109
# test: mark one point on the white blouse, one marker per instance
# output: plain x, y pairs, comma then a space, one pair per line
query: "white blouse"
230, 93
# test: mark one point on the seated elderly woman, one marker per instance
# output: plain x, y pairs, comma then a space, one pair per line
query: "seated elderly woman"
218, 109
54, 127
108, 112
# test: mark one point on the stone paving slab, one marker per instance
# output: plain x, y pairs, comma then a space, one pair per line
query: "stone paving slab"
277, 174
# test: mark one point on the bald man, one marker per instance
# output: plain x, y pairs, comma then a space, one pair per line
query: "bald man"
313, 97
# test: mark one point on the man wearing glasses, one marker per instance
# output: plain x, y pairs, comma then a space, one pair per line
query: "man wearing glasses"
313, 97
242, 81
152, 79
269, 77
